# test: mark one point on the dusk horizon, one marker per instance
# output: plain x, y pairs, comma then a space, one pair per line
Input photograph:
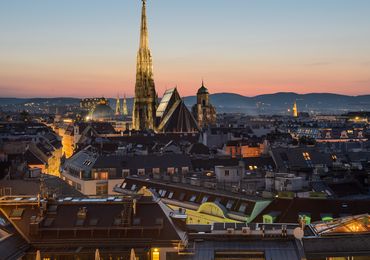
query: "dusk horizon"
70, 49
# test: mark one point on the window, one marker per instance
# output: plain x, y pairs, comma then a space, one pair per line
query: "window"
156, 170
192, 198
170, 170
101, 175
185, 169
162, 193
227, 172
141, 171
170, 195
204, 199
229, 204
242, 207
125, 173
16, 213
101, 188
133, 187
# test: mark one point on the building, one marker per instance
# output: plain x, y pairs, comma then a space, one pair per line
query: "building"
145, 102
245, 148
203, 110
70, 227
94, 174
90, 103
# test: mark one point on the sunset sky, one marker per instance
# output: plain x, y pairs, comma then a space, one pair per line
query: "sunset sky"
86, 48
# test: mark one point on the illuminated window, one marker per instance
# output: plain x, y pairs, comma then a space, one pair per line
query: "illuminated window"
155, 254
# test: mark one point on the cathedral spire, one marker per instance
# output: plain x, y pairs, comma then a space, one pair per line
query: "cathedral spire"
145, 102
144, 40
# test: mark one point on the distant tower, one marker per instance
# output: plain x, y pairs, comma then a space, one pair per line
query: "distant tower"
124, 106
145, 103
118, 106
295, 109
203, 111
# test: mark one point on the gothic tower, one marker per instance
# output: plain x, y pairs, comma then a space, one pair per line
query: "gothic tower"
295, 109
145, 103
118, 106
124, 106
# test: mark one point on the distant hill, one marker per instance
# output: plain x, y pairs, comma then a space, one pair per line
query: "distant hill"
277, 103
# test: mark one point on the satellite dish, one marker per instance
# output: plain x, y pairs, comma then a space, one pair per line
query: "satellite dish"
298, 233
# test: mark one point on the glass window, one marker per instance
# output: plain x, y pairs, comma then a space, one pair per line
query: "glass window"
102, 189
242, 207
192, 198
204, 199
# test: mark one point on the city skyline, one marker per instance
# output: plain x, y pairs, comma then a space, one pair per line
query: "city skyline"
73, 49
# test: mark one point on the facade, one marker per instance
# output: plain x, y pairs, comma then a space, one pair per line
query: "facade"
245, 148
203, 110
145, 102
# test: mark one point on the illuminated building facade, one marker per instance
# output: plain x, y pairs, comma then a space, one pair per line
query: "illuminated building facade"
118, 106
295, 109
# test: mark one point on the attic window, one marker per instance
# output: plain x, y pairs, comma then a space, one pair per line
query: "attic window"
133, 187
170, 195
192, 198
242, 207
16, 213
229, 204
205, 199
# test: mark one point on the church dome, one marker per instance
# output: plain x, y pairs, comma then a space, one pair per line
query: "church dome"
102, 111
202, 90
